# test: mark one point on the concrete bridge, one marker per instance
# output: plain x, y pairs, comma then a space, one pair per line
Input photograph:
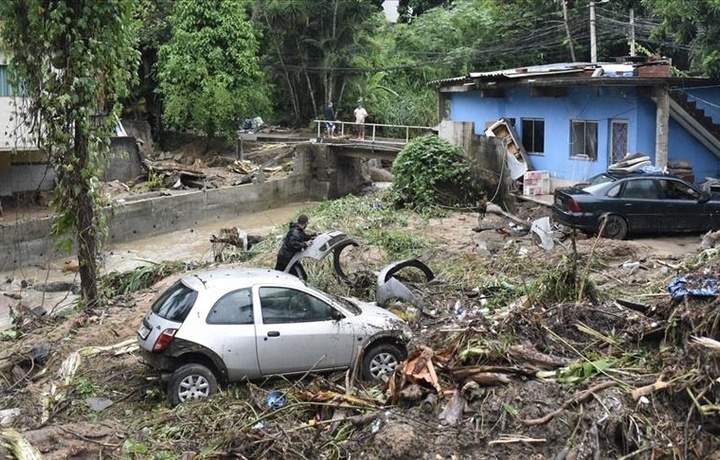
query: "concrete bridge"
379, 141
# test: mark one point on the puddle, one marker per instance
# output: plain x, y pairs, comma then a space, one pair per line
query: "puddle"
187, 244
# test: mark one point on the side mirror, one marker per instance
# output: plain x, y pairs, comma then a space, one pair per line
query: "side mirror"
336, 315
704, 197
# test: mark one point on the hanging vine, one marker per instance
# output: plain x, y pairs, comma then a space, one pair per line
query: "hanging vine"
71, 62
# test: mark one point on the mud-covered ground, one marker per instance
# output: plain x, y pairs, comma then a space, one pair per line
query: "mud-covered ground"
505, 364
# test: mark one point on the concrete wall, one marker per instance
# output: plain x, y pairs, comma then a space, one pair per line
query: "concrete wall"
124, 160
140, 130
28, 171
316, 176
489, 155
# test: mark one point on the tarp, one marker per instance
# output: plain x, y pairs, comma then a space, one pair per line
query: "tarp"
680, 287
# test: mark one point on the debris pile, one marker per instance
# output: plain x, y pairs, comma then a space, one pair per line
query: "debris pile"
573, 350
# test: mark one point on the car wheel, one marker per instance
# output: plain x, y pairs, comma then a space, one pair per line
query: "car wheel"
381, 359
191, 381
614, 227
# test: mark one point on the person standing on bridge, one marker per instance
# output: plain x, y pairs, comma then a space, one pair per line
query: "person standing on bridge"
330, 116
295, 241
360, 116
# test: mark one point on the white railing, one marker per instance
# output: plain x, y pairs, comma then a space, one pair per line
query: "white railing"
350, 127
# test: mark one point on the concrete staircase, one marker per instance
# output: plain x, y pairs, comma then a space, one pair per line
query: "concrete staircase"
688, 114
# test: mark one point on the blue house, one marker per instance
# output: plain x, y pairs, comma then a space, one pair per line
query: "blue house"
574, 120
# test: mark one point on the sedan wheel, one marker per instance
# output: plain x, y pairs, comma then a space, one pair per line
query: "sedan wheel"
191, 381
614, 227
381, 360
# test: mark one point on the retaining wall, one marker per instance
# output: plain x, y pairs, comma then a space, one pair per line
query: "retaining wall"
316, 176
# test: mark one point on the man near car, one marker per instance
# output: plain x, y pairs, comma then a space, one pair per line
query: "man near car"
295, 241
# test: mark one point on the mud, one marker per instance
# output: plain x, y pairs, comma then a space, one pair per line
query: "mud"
581, 410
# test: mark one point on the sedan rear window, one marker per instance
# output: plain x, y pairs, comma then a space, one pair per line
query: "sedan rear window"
175, 303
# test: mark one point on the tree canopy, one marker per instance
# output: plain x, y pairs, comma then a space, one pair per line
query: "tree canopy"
221, 54
209, 71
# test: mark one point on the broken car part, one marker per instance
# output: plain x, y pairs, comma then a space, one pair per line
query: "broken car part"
321, 246
389, 287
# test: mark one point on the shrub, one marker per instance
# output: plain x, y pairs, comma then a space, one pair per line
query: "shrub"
431, 171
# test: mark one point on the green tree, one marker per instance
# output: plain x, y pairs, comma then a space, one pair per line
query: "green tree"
209, 72
145, 102
694, 24
72, 61
310, 47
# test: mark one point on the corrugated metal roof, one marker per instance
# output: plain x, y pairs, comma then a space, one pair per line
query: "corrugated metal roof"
449, 80
520, 72
546, 69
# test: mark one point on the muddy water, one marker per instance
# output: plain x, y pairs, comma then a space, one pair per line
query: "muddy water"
187, 244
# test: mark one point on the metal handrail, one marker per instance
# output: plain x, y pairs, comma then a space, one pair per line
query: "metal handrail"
374, 126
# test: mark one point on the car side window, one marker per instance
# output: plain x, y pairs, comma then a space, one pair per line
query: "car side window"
284, 305
614, 191
641, 188
675, 190
232, 308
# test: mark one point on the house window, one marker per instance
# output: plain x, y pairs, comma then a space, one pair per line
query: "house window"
583, 139
5, 90
533, 135
618, 140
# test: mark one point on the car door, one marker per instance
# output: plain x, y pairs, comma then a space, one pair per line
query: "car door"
296, 332
640, 204
683, 208
231, 333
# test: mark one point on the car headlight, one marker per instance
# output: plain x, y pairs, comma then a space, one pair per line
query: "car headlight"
407, 332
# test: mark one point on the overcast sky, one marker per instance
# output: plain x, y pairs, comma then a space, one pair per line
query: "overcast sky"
391, 10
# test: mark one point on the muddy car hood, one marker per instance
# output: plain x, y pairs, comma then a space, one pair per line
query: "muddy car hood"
385, 321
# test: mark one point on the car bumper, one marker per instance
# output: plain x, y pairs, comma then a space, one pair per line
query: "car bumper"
158, 362
586, 222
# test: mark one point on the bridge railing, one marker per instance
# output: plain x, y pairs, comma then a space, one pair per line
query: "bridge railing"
373, 131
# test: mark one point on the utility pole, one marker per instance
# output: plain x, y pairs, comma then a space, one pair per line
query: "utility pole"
593, 38
632, 32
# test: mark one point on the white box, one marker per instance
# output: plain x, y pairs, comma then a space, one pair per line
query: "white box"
536, 183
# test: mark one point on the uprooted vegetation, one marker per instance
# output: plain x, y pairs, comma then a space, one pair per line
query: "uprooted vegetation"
518, 352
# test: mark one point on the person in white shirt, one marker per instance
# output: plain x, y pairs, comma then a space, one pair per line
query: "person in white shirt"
360, 116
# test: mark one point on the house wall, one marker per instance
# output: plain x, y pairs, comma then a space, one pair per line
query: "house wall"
683, 146
646, 121
592, 104
12, 133
24, 172
600, 104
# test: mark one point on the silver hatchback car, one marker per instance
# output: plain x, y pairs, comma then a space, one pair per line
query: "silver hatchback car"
227, 325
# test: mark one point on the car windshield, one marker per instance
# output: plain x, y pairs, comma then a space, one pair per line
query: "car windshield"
597, 180
175, 303
354, 309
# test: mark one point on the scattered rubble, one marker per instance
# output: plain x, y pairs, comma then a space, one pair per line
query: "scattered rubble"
510, 359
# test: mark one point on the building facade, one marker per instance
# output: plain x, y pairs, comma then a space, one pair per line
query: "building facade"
574, 120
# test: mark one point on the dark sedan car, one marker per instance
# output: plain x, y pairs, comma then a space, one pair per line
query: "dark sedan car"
614, 205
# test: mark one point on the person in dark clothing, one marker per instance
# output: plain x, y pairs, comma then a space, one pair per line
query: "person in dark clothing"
295, 241
330, 116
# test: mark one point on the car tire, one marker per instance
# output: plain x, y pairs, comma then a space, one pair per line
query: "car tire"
614, 227
381, 359
191, 382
